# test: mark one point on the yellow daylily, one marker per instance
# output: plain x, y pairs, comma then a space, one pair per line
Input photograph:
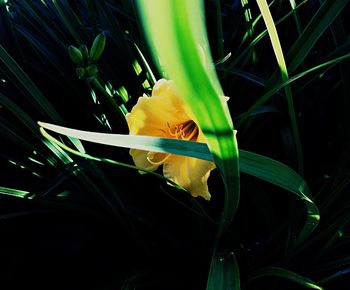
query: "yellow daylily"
164, 114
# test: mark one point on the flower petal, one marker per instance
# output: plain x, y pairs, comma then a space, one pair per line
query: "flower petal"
141, 161
167, 89
190, 173
151, 116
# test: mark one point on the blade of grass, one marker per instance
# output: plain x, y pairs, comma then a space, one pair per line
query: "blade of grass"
155, 144
321, 20
15, 192
20, 77
271, 170
105, 160
70, 20
280, 86
341, 39
253, 164
244, 53
334, 276
276, 45
186, 58
43, 24
283, 273
250, 26
152, 78
224, 273
220, 37
11, 132
199, 210
293, 5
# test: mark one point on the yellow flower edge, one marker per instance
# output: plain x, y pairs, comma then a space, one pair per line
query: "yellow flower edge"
165, 115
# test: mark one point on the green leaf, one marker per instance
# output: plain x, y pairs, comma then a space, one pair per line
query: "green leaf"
321, 20
253, 164
224, 273
283, 176
152, 78
14, 192
70, 20
283, 273
280, 86
149, 143
21, 78
180, 45
277, 48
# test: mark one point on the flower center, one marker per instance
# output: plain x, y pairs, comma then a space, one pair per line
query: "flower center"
185, 131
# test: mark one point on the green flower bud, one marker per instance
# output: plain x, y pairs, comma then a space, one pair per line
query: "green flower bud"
75, 54
97, 47
84, 51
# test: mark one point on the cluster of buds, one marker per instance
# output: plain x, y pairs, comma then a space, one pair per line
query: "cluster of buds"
85, 59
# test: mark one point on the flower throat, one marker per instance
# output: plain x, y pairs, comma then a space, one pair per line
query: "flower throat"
185, 131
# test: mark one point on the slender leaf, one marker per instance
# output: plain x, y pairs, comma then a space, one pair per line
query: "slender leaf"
14, 192
280, 86
253, 164
277, 48
321, 20
224, 273
23, 79
283, 273
179, 42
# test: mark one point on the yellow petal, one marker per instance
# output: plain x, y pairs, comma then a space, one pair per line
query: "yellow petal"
201, 138
141, 161
151, 116
167, 89
190, 173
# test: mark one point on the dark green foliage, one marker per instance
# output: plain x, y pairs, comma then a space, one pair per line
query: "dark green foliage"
66, 218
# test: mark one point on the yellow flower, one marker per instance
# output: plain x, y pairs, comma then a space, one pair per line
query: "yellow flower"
165, 115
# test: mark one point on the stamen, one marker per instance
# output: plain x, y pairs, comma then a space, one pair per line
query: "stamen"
172, 134
193, 133
150, 155
184, 131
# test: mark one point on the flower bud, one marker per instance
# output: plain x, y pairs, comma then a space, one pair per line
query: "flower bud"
97, 47
75, 54
84, 51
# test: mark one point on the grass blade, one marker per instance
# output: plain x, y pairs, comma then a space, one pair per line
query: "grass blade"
279, 174
283, 273
280, 86
220, 37
185, 56
253, 164
14, 192
23, 79
155, 144
224, 273
277, 48
324, 17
